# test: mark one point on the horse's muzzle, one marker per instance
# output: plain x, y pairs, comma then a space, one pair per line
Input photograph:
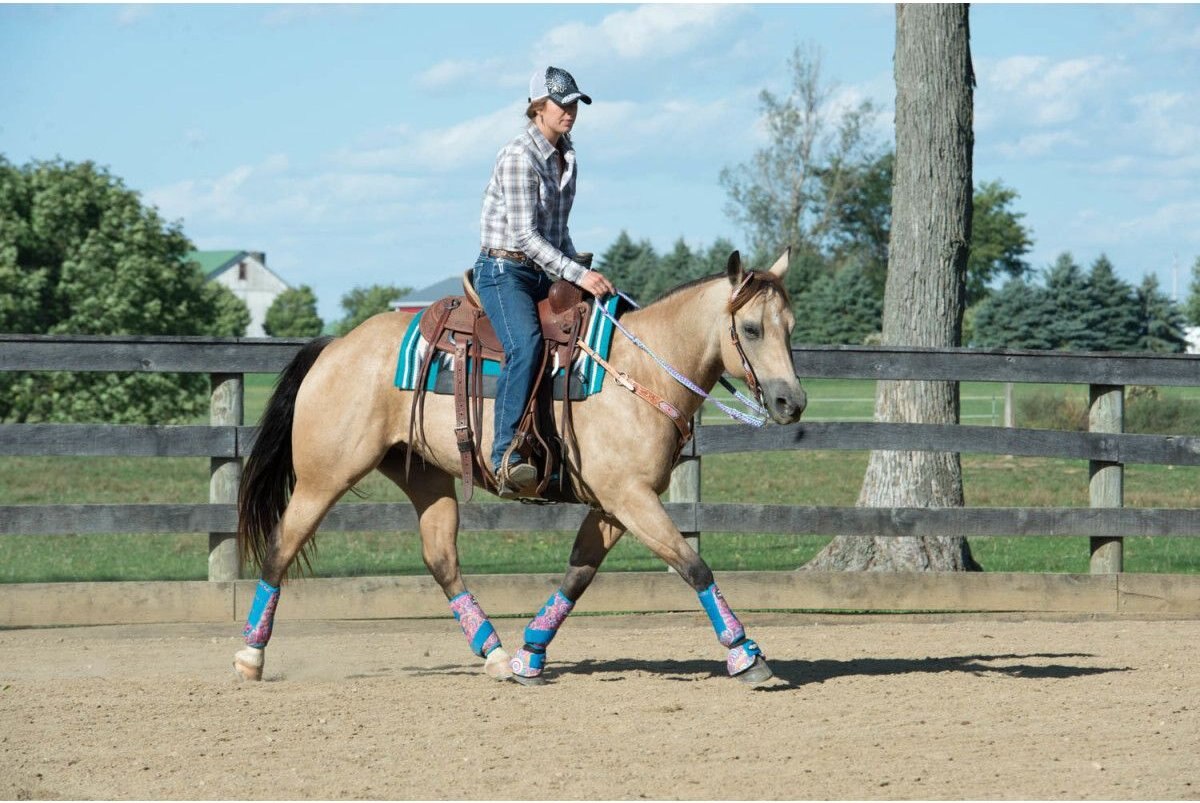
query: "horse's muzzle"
785, 400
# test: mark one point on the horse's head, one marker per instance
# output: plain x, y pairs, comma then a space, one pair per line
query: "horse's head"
759, 346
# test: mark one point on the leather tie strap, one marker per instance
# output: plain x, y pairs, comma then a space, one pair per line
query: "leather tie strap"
462, 424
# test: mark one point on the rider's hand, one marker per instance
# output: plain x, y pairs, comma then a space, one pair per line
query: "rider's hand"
597, 284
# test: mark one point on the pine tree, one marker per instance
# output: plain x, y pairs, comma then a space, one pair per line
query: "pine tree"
629, 265
840, 309
1193, 302
673, 270
1162, 321
1017, 316
716, 257
1113, 313
1067, 294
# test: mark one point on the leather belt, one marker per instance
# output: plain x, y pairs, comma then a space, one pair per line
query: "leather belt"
515, 256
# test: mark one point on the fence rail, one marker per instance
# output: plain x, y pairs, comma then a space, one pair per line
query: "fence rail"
227, 440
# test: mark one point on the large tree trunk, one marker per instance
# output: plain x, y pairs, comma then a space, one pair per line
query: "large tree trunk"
923, 301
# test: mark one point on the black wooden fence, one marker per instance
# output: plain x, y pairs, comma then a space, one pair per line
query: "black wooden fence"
226, 441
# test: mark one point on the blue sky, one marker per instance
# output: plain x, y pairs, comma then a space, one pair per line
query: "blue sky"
352, 143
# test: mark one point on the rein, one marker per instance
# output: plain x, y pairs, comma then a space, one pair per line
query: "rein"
757, 415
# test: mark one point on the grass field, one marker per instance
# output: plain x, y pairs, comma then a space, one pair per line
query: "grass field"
800, 478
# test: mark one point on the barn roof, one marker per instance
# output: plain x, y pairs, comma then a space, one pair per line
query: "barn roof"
213, 262
427, 295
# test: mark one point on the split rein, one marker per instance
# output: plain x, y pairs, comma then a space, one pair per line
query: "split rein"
755, 414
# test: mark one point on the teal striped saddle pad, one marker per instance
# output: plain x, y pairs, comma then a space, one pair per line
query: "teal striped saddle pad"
586, 375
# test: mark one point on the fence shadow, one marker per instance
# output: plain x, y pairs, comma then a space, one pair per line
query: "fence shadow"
796, 673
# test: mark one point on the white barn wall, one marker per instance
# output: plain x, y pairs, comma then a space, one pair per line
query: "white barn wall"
258, 290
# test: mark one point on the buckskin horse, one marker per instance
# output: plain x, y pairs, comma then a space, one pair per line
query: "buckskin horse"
335, 416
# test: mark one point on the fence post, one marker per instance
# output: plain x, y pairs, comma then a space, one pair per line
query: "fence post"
1106, 413
685, 484
225, 474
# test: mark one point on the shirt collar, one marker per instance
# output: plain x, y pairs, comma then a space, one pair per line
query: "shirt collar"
543, 145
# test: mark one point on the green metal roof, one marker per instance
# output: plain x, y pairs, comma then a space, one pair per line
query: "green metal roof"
213, 262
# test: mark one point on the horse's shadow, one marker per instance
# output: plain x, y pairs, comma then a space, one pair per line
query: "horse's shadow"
796, 673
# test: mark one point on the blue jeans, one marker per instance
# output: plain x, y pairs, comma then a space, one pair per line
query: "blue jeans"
509, 292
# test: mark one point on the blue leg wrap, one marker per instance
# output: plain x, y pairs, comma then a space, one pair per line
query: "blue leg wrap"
475, 624
262, 615
742, 651
531, 659
729, 630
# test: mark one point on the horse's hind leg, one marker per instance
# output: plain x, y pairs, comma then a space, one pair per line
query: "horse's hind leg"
431, 491
307, 507
596, 536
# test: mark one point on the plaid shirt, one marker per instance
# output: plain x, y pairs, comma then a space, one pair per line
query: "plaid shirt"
527, 201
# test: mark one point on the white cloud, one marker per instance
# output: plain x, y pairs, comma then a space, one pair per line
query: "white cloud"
439, 150
1039, 144
133, 14
195, 138
1040, 91
649, 31
273, 192
1177, 220
639, 34
457, 72
1167, 122
281, 16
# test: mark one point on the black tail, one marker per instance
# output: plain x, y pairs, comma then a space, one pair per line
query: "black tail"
269, 477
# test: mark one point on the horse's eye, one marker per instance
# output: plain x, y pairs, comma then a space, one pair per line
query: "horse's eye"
752, 330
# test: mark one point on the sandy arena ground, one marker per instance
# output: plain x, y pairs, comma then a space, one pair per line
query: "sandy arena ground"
637, 707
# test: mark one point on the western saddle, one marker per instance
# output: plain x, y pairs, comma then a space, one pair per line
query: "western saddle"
457, 325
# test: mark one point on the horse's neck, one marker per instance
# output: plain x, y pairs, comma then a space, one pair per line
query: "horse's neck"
684, 330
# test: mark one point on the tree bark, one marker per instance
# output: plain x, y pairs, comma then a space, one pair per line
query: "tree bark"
926, 284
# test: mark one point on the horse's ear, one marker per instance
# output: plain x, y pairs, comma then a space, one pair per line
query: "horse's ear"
733, 268
781, 265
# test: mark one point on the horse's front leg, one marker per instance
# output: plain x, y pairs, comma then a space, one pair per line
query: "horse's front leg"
596, 536
646, 518
431, 492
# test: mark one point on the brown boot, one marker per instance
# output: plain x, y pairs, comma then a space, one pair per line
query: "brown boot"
517, 480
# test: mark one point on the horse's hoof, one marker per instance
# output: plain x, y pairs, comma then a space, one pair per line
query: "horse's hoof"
497, 664
758, 672
248, 663
536, 680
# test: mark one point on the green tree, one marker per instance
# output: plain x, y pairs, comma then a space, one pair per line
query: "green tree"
841, 309
293, 313
1193, 302
1068, 297
363, 302
716, 257
674, 268
1017, 316
630, 266
787, 194
999, 241
232, 314
1162, 321
862, 218
1113, 315
81, 254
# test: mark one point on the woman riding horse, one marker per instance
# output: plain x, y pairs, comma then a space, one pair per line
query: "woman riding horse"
524, 242
335, 416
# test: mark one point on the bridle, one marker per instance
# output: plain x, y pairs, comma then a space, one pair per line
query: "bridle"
749, 288
751, 285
